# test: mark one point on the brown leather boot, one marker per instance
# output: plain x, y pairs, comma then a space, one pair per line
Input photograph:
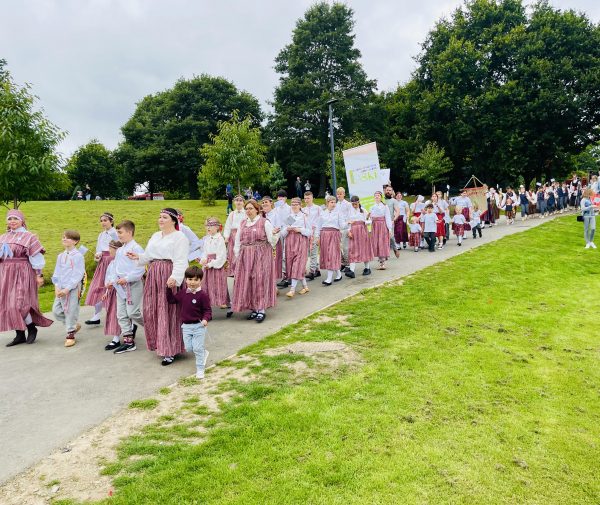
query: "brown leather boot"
31, 333
19, 338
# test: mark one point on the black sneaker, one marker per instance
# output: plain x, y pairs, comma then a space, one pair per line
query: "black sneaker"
367, 271
127, 347
252, 315
283, 284
310, 277
345, 269
111, 346
317, 274
350, 274
167, 360
90, 321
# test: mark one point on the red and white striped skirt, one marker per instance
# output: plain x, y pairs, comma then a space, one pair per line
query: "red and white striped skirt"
330, 249
214, 284
162, 320
459, 229
400, 230
296, 254
279, 259
465, 212
111, 325
380, 238
230, 270
96, 288
415, 239
254, 286
360, 249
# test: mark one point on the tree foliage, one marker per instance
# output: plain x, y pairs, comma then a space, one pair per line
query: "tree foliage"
164, 136
29, 163
276, 178
431, 165
321, 63
235, 156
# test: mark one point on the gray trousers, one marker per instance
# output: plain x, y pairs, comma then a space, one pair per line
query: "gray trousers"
130, 311
313, 256
589, 228
344, 247
66, 309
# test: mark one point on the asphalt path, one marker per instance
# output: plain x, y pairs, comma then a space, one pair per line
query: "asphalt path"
50, 394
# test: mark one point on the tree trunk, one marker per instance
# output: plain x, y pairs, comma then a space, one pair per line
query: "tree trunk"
193, 185
15, 202
151, 188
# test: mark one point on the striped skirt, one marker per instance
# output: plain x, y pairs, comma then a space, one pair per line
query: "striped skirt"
230, 269
111, 325
415, 239
254, 286
400, 231
19, 295
162, 321
440, 230
296, 254
360, 249
279, 259
459, 229
330, 249
96, 288
214, 284
466, 213
380, 238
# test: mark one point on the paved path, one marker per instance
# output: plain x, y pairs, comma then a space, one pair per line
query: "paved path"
51, 394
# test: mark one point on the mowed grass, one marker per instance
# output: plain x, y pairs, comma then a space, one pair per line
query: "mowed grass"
480, 385
49, 219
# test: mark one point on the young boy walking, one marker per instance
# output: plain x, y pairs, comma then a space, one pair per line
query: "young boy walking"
67, 279
195, 315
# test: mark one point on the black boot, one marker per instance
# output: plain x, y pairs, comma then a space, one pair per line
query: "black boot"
31, 333
19, 338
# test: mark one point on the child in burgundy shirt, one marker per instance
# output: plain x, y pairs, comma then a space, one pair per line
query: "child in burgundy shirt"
195, 314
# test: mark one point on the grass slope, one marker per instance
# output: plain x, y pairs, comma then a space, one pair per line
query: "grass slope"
481, 384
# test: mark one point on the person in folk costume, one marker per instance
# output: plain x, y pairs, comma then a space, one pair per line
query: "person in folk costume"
126, 280
269, 212
329, 238
313, 213
283, 209
109, 298
214, 257
21, 265
232, 224
464, 202
360, 248
167, 254
401, 223
296, 232
96, 289
382, 230
343, 207
196, 243
440, 211
254, 286
394, 208
416, 233
458, 224
416, 208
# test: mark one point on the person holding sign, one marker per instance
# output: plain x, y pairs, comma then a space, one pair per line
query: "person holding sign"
382, 230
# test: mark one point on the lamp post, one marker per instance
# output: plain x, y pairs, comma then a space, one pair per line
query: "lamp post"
334, 182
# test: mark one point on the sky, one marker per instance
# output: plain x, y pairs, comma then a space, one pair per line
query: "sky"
91, 61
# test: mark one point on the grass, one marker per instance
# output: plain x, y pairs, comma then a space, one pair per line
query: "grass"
480, 384
147, 404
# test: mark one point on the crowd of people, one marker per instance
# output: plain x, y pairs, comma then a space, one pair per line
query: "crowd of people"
264, 246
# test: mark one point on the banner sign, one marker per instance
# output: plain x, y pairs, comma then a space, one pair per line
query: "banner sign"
363, 172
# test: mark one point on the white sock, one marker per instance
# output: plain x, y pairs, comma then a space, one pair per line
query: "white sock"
352, 266
294, 283
97, 312
304, 283
116, 339
28, 319
459, 239
339, 274
329, 275
368, 265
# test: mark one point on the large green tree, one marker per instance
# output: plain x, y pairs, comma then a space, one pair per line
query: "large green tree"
164, 136
503, 92
29, 163
321, 63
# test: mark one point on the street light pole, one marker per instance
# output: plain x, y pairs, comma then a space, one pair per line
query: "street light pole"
333, 175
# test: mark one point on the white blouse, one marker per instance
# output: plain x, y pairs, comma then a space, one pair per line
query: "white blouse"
313, 213
174, 246
214, 244
233, 221
196, 243
272, 237
381, 210
297, 220
357, 215
331, 219
104, 239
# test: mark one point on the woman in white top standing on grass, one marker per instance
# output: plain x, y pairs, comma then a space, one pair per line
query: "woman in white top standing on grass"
167, 253
382, 230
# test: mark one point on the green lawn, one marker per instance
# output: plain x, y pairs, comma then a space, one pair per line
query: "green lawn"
480, 384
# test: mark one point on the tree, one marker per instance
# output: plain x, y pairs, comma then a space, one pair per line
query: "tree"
165, 133
431, 165
29, 164
321, 63
276, 178
235, 156
95, 165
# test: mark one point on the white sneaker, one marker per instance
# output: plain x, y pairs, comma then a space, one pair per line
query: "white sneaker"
587, 246
205, 357
200, 374
593, 246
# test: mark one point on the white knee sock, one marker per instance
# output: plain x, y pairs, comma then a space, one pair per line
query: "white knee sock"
352, 266
368, 265
294, 283
338, 274
28, 319
97, 312
329, 275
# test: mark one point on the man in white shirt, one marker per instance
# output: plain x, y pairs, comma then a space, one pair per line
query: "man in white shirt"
313, 212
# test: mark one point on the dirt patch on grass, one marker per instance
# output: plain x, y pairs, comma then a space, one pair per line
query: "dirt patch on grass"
76, 471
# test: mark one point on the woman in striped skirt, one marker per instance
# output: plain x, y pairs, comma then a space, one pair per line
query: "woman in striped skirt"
213, 260
296, 231
381, 230
360, 248
401, 223
329, 240
167, 254
232, 224
254, 285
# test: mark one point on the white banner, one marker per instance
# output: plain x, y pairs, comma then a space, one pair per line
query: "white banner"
384, 174
363, 172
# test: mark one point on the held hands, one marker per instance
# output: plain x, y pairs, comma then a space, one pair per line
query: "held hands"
40, 281
97, 256
276, 230
61, 293
171, 283
350, 234
122, 281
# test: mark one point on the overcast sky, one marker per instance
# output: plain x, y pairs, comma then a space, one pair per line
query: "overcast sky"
90, 61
